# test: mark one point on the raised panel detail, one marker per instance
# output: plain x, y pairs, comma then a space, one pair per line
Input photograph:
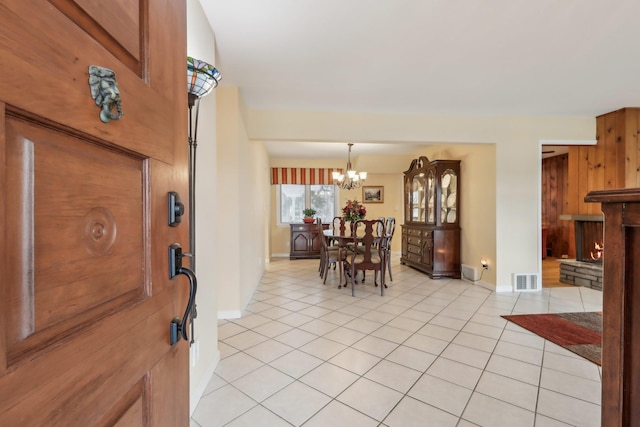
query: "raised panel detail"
115, 24
300, 243
130, 410
77, 230
305, 241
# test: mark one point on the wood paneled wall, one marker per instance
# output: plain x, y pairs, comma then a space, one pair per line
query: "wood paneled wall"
555, 172
614, 162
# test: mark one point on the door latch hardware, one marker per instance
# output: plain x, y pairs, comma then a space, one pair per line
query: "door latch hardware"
178, 327
176, 209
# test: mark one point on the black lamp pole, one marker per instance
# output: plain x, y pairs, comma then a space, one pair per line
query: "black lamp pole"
193, 145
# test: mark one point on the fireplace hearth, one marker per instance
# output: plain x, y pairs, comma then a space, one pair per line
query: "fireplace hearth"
586, 269
588, 231
581, 273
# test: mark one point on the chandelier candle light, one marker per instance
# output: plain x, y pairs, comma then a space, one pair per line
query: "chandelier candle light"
352, 179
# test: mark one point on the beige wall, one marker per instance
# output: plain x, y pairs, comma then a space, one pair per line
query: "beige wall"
228, 137
242, 170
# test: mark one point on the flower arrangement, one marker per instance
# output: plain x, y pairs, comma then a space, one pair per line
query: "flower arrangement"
353, 211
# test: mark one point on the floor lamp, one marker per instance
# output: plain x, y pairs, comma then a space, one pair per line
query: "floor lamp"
202, 78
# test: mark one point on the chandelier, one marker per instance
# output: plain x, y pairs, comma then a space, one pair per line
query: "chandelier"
352, 179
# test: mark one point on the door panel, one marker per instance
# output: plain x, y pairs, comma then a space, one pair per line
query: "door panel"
85, 295
83, 238
58, 66
301, 242
130, 410
315, 241
116, 25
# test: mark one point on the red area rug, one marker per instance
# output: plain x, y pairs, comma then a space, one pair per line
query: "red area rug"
580, 333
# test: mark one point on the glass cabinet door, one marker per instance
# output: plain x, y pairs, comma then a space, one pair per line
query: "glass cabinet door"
408, 194
449, 200
431, 198
417, 199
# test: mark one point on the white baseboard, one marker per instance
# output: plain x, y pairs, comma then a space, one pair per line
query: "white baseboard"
486, 285
229, 314
504, 288
196, 394
279, 255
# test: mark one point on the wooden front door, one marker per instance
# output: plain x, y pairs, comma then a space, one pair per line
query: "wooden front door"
85, 295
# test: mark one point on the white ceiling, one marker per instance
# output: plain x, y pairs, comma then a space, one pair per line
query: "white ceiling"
458, 57
333, 149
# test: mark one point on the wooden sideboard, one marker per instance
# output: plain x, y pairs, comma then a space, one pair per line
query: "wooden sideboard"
305, 241
621, 306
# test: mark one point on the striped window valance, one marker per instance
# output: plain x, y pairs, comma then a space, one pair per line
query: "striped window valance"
303, 176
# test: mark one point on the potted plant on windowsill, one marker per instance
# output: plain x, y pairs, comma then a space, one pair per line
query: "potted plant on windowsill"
308, 215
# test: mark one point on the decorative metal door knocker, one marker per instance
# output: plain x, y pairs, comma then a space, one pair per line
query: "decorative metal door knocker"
104, 89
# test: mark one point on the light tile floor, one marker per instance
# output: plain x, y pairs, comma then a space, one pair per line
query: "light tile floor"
427, 353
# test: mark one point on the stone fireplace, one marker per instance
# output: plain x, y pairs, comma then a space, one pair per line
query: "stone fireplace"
586, 269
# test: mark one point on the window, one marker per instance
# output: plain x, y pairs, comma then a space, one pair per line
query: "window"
295, 198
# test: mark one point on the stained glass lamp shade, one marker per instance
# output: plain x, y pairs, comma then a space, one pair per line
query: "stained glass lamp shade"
202, 77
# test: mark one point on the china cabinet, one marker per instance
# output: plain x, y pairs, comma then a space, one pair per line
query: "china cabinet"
431, 229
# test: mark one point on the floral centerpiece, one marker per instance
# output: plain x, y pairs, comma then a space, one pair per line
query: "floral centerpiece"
353, 211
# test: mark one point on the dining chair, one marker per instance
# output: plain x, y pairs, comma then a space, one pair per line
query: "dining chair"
381, 226
390, 228
376, 242
320, 235
338, 225
368, 251
322, 254
329, 255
